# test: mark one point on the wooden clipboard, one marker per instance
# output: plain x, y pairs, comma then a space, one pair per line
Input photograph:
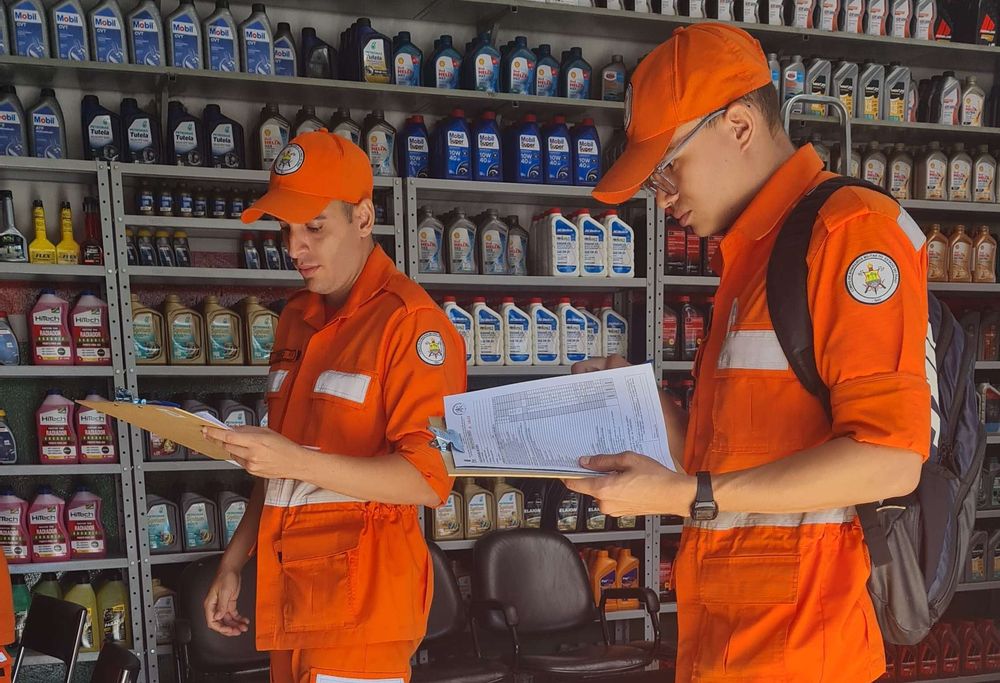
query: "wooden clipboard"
167, 422
494, 472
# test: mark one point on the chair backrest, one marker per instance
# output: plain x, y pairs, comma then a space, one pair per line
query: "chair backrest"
54, 628
115, 664
210, 651
539, 573
447, 615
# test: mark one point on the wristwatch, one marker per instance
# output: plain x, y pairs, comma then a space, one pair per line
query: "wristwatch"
704, 508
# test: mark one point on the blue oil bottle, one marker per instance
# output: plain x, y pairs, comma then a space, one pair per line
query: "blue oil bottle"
222, 49
481, 67
29, 34
407, 61
48, 128
575, 76
319, 59
586, 146
184, 43
145, 34
547, 70
519, 65
413, 149
556, 154
522, 150
225, 144
286, 54
444, 68
185, 137
257, 42
487, 155
108, 42
69, 31
140, 133
452, 157
102, 138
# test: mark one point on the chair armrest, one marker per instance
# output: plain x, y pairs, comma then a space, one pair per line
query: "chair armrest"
182, 632
646, 596
480, 609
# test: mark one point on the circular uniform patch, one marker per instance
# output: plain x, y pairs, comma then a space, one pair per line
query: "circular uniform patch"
872, 278
430, 348
289, 159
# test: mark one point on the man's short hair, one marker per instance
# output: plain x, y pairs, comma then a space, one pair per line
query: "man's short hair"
765, 100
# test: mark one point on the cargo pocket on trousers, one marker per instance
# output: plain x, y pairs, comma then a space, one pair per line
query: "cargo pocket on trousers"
748, 604
318, 571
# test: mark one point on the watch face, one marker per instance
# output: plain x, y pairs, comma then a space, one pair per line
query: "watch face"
704, 512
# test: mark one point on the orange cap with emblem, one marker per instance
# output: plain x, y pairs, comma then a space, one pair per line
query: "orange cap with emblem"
309, 172
701, 68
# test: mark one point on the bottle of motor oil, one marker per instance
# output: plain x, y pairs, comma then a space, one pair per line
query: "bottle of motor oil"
29, 34
306, 121
90, 331
573, 333
224, 329
776, 73
185, 333
236, 414
519, 68
945, 28
986, 15
802, 13
80, 591
692, 328
819, 75
488, 329
286, 54
481, 66
901, 18
877, 17
261, 324
15, 538
164, 250
380, 144
937, 255
844, 84
829, 13
48, 585
21, 598
523, 151
108, 42
165, 610
374, 54
595, 335
464, 323
141, 132
480, 509
452, 155
852, 16
257, 42
95, 433
49, 538
517, 340
613, 80
147, 335
272, 135
145, 34
146, 248
547, 70
959, 256
794, 81
614, 328
973, 103
113, 610
462, 239
413, 149
984, 174
47, 137
932, 174
184, 37
444, 68
83, 521
67, 250
556, 153
594, 244
162, 525
621, 245
586, 148
13, 245
430, 240
874, 165
224, 136
232, 507
486, 149
101, 131
69, 31
545, 334
221, 45
984, 250
492, 245
561, 244
343, 125
407, 61
10, 351
319, 59
946, 101
925, 14
185, 136
960, 175
822, 151
41, 250
900, 174
201, 523
896, 90
575, 76
517, 247
870, 88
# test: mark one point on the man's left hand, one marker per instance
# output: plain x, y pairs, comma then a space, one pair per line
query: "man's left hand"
262, 452
635, 485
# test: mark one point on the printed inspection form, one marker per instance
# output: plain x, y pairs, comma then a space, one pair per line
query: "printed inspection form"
545, 426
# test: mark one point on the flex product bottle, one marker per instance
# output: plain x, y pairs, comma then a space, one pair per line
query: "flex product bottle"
487, 158
68, 249
108, 42
184, 37
145, 34
257, 42
69, 31
95, 433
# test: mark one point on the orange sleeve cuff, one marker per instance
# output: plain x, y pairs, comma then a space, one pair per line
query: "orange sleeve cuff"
418, 452
889, 409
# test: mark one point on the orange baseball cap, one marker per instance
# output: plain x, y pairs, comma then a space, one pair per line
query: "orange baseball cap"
700, 69
309, 172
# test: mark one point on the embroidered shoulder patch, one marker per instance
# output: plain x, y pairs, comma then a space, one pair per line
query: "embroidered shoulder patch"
872, 278
430, 348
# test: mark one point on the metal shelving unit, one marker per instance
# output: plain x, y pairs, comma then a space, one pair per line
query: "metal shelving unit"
980, 586
987, 514
182, 558
102, 279
201, 370
189, 466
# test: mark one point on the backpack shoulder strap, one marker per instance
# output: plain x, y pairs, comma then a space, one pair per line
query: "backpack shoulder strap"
788, 307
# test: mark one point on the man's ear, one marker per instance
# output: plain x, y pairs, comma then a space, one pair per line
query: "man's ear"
364, 217
740, 121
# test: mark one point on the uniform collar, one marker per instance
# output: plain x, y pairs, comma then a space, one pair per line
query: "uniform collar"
780, 193
372, 280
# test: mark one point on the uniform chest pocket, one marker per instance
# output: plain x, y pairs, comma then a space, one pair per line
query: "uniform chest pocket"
350, 389
279, 383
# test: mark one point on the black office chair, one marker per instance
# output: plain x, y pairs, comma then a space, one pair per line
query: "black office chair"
54, 628
204, 655
115, 664
530, 582
447, 620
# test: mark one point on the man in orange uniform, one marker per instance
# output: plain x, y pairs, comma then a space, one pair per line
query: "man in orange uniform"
772, 569
362, 358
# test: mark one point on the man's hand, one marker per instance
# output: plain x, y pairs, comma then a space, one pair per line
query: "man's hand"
635, 485
221, 613
594, 364
261, 452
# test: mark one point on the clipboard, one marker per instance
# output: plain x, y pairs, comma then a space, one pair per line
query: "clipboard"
445, 440
169, 422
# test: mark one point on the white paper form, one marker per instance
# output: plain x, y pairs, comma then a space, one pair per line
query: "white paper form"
546, 425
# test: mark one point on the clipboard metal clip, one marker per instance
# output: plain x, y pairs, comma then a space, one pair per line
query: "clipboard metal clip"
447, 440
123, 396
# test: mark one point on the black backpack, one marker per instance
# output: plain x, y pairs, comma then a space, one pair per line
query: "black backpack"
918, 543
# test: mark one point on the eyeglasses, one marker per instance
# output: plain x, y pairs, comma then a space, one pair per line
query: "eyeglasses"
662, 177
